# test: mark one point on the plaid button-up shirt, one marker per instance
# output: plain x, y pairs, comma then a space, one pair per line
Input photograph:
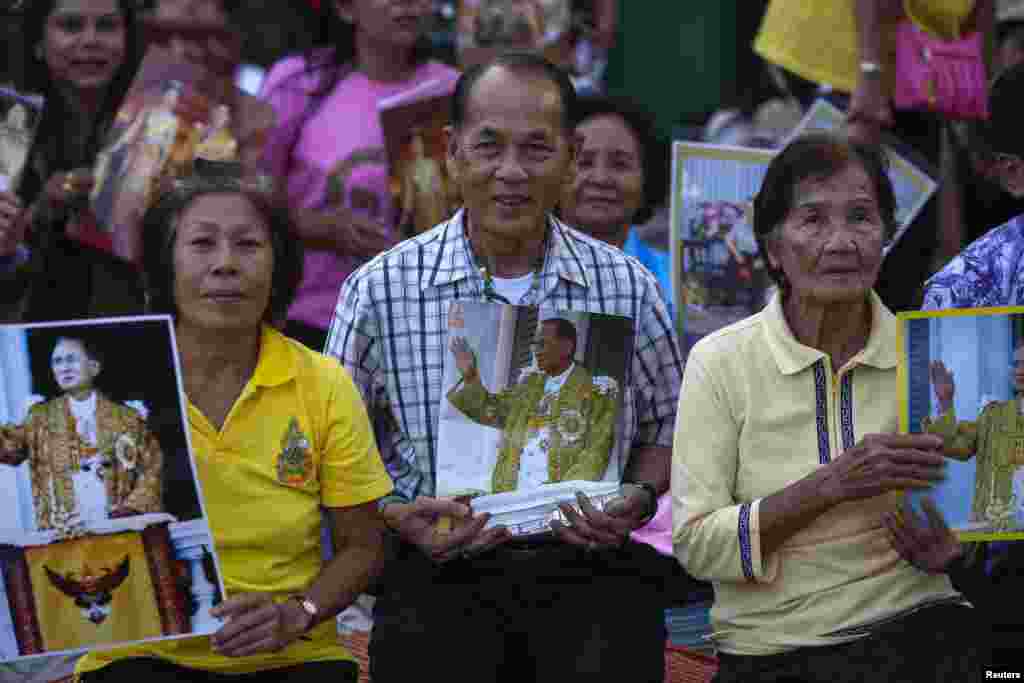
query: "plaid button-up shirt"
390, 331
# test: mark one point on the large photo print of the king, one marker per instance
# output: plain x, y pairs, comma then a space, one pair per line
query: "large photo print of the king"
962, 378
533, 409
103, 536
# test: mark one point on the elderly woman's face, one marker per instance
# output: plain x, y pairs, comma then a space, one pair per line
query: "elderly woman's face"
830, 244
223, 264
608, 187
84, 43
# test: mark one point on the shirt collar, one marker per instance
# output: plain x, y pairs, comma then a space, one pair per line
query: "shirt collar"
455, 262
87, 403
276, 362
791, 356
557, 381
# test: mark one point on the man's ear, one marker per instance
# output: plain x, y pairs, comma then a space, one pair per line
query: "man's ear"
452, 152
573, 148
770, 253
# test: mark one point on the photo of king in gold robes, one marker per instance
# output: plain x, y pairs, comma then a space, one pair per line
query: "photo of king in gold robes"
103, 539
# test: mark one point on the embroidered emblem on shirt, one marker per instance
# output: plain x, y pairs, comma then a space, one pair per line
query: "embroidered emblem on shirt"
295, 462
846, 410
821, 408
746, 552
571, 426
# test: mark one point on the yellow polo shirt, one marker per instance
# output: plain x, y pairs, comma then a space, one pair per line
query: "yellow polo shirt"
759, 411
818, 40
264, 508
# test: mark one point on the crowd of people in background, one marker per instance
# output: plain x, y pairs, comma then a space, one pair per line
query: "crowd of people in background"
306, 293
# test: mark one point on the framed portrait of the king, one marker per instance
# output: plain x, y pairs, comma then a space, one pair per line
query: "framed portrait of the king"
103, 537
533, 410
962, 378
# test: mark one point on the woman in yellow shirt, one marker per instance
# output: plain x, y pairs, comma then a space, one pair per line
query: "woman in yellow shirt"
279, 433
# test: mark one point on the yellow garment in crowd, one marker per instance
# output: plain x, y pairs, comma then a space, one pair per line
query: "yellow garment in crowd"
297, 438
818, 40
133, 612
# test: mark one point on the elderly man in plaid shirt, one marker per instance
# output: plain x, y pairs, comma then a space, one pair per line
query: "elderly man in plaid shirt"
476, 604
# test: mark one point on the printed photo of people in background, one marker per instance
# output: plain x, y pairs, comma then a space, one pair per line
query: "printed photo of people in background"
720, 277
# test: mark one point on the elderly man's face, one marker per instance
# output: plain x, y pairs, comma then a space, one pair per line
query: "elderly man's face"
72, 367
512, 156
553, 353
830, 244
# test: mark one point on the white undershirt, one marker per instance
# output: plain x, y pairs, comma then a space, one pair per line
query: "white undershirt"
533, 463
513, 288
90, 492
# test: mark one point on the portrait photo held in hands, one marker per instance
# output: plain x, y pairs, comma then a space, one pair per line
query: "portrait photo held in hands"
538, 395
19, 117
963, 374
176, 114
105, 539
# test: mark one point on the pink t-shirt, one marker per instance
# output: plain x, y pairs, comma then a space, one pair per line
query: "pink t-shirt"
339, 160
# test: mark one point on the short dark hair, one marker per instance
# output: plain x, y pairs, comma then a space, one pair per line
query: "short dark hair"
564, 329
654, 152
520, 62
92, 350
816, 155
160, 226
1002, 132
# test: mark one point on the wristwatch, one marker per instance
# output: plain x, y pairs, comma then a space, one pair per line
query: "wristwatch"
871, 69
310, 608
652, 507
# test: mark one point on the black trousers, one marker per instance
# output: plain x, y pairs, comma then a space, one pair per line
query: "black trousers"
544, 615
939, 644
145, 670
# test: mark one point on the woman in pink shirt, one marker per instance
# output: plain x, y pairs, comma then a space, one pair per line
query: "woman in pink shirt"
328, 146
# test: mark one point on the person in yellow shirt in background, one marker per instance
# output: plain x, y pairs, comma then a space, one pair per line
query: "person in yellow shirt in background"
279, 432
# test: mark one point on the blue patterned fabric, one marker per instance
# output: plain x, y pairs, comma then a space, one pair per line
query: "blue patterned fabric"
989, 272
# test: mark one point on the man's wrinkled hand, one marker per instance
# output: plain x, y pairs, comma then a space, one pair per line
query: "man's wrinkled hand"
594, 529
422, 523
